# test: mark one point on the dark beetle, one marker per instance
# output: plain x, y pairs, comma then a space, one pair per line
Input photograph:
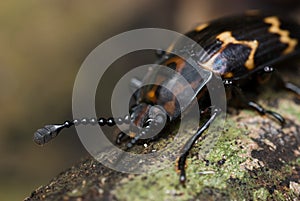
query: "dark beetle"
239, 49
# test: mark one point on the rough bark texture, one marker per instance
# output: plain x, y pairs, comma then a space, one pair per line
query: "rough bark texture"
253, 159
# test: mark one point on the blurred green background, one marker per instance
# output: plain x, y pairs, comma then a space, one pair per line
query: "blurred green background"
43, 44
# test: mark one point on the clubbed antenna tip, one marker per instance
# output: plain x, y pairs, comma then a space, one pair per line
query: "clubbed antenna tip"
49, 132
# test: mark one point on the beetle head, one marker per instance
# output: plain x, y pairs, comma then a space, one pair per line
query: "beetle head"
148, 118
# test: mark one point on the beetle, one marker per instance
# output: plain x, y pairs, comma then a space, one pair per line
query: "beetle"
240, 49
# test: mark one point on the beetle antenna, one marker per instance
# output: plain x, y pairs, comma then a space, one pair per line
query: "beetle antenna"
49, 132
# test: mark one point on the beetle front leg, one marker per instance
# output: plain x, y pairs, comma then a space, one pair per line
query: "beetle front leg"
181, 162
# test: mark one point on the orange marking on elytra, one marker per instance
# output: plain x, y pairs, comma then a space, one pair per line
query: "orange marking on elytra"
227, 38
201, 27
228, 75
284, 34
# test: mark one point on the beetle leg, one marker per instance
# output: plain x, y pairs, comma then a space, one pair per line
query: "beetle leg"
287, 85
262, 111
189, 144
257, 107
292, 87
